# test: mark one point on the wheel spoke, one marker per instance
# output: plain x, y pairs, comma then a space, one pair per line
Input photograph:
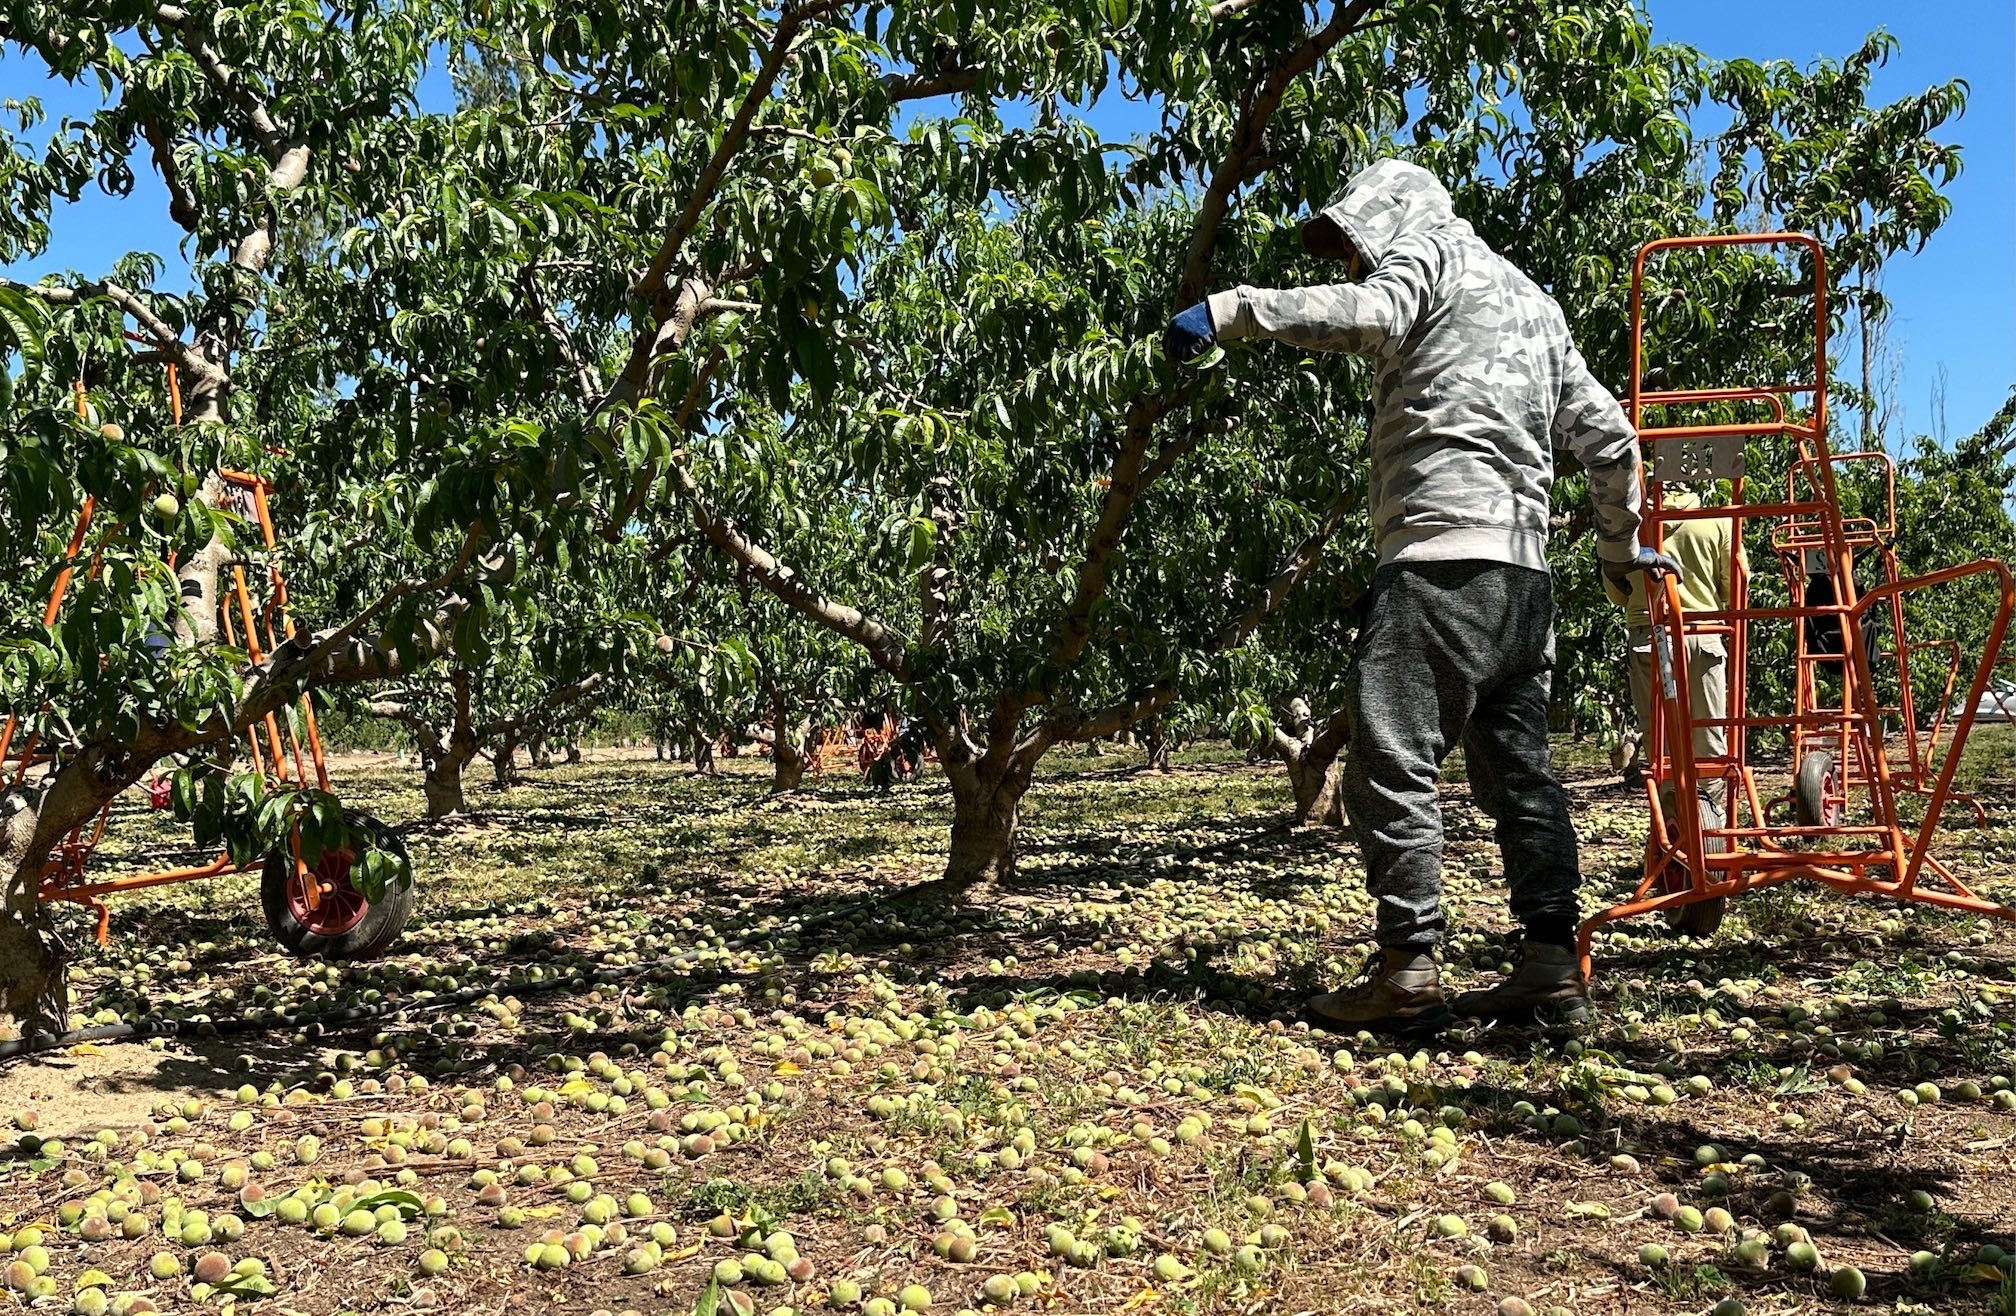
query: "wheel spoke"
337, 907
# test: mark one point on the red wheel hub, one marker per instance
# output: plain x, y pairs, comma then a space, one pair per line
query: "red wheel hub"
338, 906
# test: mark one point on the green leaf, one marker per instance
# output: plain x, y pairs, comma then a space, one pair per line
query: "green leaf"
923, 537
24, 319
409, 1204
245, 1286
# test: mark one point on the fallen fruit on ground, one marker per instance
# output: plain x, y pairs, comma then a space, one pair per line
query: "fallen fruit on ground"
1131, 1104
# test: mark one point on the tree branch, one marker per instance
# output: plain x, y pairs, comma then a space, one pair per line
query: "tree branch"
1177, 449
587, 379
1101, 722
1249, 139
1151, 699
944, 81
672, 324
651, 285
459, 682
130, 303
412, 719
287, 168
935, 580
785, 130
1130, 479
1074, 628
182, 207
558, 697
884, 647
1327, 743
1290, 573
612, 529
324, 648
232, 84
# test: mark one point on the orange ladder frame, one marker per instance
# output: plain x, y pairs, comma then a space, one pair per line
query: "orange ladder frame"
1881, 857
1916, 769
64, 877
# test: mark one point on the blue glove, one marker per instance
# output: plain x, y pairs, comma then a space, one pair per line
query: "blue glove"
1649, 561
1189, 333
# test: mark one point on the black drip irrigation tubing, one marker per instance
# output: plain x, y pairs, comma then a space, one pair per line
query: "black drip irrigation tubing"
272, 1022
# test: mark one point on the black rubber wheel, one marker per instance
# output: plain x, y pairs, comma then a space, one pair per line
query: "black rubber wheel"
344, 925
1811, 787
1703, 917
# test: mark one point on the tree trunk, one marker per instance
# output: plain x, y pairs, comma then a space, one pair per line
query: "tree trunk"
1310, 752
1317, 802
33, 820
789, 746
1157, 746
573, 752
986, 814
787, 768
33, 959
504, 760
441, 783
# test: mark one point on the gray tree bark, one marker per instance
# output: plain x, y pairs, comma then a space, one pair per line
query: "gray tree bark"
986, 817
1310, 748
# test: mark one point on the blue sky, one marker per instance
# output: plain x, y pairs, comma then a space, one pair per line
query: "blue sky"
1954, 303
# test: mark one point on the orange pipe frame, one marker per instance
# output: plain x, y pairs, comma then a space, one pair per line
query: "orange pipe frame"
1790, 541
1815, 524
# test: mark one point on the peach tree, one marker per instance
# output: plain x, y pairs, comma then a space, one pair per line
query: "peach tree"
259, 126
1068, 534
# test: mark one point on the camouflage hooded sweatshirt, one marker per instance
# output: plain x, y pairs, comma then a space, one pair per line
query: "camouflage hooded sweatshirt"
1476, 380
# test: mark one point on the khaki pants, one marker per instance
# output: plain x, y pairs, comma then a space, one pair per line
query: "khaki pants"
1707, 696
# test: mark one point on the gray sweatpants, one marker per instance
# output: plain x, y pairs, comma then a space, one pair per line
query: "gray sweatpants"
1448, 650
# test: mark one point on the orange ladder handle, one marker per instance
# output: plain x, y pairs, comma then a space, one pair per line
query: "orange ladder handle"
1812, 245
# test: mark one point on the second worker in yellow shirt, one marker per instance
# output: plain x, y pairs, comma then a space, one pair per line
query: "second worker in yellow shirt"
1703, 550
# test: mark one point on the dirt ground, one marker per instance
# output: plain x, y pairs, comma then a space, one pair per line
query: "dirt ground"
793, 1076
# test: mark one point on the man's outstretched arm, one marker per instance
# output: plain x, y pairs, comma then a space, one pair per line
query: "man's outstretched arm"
1368, 318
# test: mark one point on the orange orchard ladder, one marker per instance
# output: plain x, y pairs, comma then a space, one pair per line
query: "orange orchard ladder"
1865, 847
63, 878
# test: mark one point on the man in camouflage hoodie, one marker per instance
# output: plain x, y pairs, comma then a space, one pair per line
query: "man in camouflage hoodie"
1477, 381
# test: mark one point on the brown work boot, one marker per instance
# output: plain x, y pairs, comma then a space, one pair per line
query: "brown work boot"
1401, 993
1547, 985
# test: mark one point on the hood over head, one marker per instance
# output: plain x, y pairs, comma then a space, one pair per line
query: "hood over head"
1383, 203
